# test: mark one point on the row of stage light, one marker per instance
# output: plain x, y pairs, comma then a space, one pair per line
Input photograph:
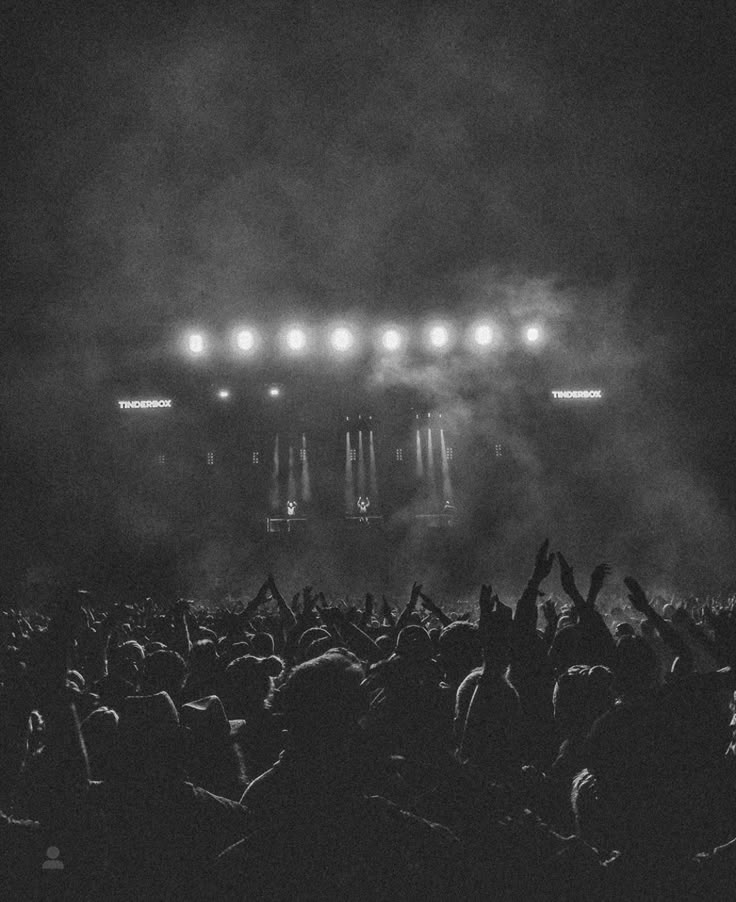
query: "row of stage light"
437, 337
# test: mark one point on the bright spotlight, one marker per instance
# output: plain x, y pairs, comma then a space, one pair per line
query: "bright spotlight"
196, 343
391, 339
223, 394
533, 334
439, 337
245, 340
274, 391
483, 335
342, 339
296, 340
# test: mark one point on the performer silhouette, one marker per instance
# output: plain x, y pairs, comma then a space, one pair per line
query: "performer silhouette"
364, 502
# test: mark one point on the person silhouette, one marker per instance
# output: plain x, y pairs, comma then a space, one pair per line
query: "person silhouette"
363, 503
53, 862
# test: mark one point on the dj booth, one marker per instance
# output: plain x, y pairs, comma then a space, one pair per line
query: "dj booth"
285, 524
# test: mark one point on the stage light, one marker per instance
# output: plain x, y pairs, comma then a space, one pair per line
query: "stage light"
245, 340
483, 335
274, 391
223, 394
342, 339
391, 340
533, 334
296, 340
439, 337
195, 343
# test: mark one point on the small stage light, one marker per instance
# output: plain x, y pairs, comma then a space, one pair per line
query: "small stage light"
296, 340
483, 335
223, 394
533, 334
439, 337
341, 339
245, 340
391, 339
196, 343
274, 391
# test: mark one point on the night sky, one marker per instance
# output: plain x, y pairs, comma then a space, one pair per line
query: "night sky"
168, 163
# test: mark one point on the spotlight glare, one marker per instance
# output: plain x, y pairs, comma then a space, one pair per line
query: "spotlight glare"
342, 339
296, 340
196, 343
223, 394
391, 339
439, 336
533, 334
274, 391
245, 340
483, 335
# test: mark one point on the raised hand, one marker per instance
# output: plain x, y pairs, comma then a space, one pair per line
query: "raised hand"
427, 603
637, 596
416, 591
261, 597
567, 579
597, 578
543, 563
368, 607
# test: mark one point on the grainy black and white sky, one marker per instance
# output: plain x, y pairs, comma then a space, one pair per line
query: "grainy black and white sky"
173, 161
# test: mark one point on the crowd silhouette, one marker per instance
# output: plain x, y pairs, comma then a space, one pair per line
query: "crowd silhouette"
577, 746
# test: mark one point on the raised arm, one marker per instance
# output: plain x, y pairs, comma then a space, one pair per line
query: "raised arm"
181, 641
667, 632
287, 616
411, 606
569, 586
598, 638
597, 578
434, 609
525, 616
66, 770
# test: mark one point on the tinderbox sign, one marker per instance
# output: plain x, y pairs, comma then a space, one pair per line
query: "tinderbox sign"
145, 405
585, 394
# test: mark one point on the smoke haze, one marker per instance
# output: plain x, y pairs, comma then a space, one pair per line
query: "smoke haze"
182, 164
